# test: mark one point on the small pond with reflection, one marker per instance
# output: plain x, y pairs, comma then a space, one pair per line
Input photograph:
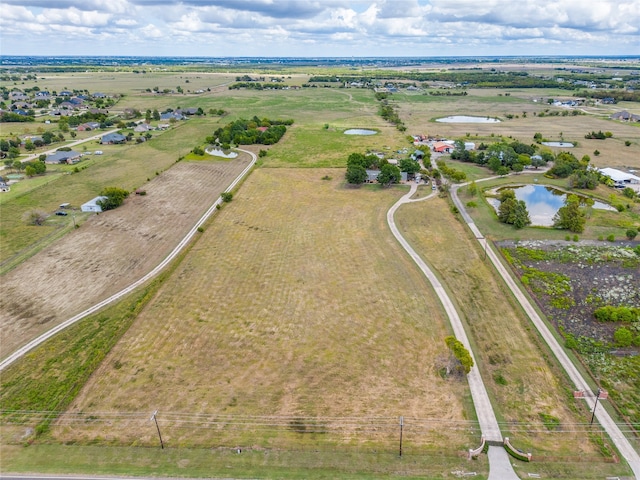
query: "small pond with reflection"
359, 131
543, 202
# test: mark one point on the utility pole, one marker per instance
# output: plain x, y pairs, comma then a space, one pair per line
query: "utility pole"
154, 417
401, 425
604, 395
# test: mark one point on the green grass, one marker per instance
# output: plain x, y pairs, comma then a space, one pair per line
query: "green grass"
124, 166
208, 463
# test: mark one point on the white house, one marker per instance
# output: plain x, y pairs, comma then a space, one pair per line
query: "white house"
92, 205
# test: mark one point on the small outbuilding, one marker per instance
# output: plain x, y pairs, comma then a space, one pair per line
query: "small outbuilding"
92, 205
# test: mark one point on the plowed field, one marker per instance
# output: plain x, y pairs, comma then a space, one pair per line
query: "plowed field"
109, 251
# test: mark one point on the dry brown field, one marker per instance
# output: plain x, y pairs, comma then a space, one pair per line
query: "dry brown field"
109, 251
419, 114
295, 301
524, 383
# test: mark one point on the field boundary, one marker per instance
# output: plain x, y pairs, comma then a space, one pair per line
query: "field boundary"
174, 253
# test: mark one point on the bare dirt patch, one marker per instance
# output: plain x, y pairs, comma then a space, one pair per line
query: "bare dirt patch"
109, 251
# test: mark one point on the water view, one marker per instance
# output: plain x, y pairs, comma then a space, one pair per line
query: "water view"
217, 152
543, 202
559, 144
467, 119
359, 131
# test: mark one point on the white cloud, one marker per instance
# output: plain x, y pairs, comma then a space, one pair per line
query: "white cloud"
334, 27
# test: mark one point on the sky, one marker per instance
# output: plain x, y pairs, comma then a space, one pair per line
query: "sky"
320, 28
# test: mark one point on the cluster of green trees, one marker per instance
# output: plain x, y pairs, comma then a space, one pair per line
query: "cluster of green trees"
388, 112
99, 117
357, 165
35, 167
460, 353
599, 135
513, 211
9, 117
610, 313
502, 157
451, 173
257, 86
570, 217
249, 132
115, 197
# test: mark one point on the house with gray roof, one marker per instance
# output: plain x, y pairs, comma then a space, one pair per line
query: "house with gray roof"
63, 157
112, 138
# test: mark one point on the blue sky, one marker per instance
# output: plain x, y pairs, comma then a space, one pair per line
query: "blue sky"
221, 28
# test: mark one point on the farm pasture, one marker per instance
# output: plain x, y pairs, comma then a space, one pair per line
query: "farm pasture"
295, 301
109, 251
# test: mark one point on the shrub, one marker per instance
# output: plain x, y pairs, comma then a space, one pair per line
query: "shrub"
611, 237
115, 197
35, 217
623, 337
575, 238
567, 237
226, 196
460, 352
632, 233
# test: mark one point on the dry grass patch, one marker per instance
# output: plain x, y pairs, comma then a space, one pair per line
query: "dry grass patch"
524, 383
109, 251
296, 301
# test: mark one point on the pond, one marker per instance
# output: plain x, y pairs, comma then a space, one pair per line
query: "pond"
559, 144
543, 202
359, 131
467, 119
217, 152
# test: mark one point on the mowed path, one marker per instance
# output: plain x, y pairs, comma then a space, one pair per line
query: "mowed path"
109, 251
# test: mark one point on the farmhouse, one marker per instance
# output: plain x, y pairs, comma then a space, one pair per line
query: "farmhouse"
92, 205
442, 147
87, 127
625, 116
143, 127
63, 157
112, 138
620, 179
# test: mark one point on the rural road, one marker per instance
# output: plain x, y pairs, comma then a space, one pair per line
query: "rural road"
72, 144
187, 238
617, 437
499, 461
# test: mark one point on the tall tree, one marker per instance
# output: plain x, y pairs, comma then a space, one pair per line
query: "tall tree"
570, 217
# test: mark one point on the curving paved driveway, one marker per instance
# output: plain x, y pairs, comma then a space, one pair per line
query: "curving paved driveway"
45, 336
499, 461
617, 437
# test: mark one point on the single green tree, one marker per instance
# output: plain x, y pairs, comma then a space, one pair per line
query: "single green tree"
460, 352
356, 174
570, 217
389, 174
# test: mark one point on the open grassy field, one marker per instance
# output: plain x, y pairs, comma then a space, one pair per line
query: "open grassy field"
295, 321
252, 324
